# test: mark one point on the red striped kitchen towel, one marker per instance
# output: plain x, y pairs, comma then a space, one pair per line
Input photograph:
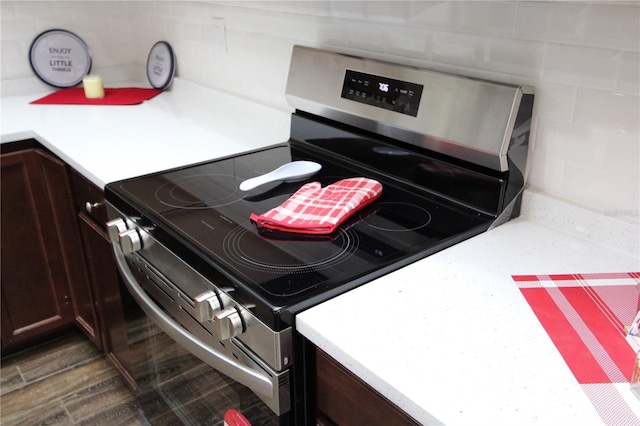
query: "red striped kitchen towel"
585, 316
316, 210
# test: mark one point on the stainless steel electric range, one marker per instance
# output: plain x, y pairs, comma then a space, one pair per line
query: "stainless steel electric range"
449, 151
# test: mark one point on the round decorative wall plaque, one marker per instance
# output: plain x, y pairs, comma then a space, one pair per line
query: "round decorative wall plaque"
161, 65
60, 58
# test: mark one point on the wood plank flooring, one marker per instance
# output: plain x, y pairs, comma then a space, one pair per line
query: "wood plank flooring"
65, 381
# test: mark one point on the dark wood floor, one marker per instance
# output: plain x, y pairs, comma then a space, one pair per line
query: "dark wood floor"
65, 381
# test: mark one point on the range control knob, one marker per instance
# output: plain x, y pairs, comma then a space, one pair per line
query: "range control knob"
130, 241
228, 323
207, 304
114, 228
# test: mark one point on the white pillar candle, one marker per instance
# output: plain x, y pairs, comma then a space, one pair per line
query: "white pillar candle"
93, 88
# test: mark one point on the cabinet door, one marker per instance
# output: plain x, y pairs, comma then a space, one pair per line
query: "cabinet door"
56, 177
103, 272
105, 282
35, 274
347, 400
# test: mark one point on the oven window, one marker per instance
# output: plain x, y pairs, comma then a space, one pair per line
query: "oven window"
174, 387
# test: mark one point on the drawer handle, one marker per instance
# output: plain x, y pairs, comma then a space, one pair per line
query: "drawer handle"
91, 207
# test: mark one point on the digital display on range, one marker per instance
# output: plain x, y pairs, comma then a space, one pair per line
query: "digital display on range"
388, 93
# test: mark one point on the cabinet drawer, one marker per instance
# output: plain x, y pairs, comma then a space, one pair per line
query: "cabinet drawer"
89, 198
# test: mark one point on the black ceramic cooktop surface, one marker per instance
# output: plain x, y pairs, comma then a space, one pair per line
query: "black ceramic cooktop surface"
201, 210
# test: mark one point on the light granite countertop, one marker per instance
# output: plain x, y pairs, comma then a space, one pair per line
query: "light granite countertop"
185, 125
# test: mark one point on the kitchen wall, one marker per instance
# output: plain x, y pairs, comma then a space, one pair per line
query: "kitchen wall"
583, 58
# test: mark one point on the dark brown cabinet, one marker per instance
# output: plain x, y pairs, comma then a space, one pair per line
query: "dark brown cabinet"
102, 271
43, 280
57, 264
348, 401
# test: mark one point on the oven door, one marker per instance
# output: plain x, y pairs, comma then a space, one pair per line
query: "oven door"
167, 347
174, 387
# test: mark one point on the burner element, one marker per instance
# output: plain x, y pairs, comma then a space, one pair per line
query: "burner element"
397, 217
202, 191
244, 246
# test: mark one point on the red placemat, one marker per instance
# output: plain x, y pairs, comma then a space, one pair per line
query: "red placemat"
112, 96
585, 316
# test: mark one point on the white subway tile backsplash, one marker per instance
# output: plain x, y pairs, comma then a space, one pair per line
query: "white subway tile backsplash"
162, 9
190, 31
272, 55
560, 22
628, 78
583, 58
434, 14
601, 109
623, 155
408, 42
488, 18
35, 10
614, 26
555, 101
274, 24
387, 12
546, 172
8, 12
581, 66
597, 187
192, 52
199, 12
515, 57
118, 10
18, 50
574, 143
19, 30
355, 10
309, 8
72, 13
328, 32
167, 30
366, 37
458, 49
180, 10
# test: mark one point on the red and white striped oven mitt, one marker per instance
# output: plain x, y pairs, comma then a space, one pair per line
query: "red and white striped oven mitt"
316, 210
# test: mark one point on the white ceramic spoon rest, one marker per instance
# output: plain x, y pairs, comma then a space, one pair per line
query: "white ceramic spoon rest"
290, 172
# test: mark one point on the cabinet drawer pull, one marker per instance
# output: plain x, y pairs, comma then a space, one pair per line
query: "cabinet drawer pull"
91, 207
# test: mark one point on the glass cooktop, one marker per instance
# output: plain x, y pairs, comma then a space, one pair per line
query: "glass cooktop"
199, 210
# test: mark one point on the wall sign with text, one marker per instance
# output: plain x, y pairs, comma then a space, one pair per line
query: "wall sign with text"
60, 58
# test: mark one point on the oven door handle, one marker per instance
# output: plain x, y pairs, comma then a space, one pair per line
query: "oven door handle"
236, 371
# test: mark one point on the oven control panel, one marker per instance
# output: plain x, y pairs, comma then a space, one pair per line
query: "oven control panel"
382, 92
